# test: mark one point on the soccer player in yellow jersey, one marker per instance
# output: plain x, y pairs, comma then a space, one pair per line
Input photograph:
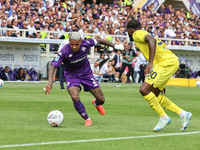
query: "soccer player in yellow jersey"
162, 65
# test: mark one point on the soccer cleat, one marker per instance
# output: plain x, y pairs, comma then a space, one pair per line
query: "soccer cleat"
99, 108
88, 122
185, 120
161, 124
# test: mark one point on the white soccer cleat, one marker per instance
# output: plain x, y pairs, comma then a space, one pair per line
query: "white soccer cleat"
185, 120
161, 124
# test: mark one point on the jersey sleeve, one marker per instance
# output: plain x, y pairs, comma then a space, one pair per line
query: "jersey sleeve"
140, 36
91, 42
57, 61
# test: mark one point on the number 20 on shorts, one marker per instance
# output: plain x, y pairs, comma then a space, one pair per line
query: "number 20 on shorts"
153, 75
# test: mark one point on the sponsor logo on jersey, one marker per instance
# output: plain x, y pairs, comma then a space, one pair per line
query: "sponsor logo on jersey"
68, 83
70, 55
78, 60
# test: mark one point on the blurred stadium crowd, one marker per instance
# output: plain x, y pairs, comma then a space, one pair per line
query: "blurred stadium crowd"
67, 15
102, 19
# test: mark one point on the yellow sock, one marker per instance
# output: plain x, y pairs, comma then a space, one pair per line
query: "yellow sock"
153, 102
169, 105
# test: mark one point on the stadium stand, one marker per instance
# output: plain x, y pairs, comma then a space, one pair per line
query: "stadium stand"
94, 18
39, 17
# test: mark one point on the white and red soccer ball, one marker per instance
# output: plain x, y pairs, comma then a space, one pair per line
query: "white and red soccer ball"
55, 118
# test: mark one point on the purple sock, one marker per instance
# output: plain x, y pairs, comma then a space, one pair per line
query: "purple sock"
80, 108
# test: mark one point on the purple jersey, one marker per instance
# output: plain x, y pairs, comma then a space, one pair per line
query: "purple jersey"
76, 63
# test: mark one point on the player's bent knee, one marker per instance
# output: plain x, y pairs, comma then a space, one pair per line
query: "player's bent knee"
75, 98
143, 91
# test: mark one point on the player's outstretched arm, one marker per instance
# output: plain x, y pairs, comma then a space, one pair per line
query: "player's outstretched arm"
115, 46
49, 85
152, 49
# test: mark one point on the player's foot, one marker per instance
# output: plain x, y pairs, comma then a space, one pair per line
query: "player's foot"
161, 124
88, 122
185, 120
99, 108
54, 79
62, 87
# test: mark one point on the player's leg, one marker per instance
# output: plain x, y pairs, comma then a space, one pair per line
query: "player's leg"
146, 90
154, 80
169, 105
151, 98
166, 103
78, 105
99, 99
159, 80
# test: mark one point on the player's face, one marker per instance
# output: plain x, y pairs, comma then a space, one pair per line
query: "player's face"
75, 45
130, 33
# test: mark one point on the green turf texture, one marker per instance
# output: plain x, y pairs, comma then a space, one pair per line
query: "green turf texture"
24, 108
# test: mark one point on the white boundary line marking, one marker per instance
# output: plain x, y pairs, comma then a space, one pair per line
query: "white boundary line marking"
93, 140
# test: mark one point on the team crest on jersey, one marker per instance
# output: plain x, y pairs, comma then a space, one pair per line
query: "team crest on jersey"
57, 58
83, 49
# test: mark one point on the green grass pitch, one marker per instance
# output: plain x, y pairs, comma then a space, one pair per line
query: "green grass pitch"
24, 109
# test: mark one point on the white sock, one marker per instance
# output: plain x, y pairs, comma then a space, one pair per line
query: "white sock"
182, 113
88, 119
165, 118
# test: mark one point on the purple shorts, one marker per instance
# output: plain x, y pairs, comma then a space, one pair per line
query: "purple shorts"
88, 82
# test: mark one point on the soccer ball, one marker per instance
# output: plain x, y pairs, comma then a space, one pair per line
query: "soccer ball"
1, 82
55, 118
198, 83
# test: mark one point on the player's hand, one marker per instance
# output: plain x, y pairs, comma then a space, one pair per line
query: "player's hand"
48, 87
163, 91
148, 69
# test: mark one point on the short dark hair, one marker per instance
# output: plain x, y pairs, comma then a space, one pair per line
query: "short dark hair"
19, 70
135, 24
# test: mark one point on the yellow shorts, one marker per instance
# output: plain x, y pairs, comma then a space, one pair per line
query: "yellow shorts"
160, 75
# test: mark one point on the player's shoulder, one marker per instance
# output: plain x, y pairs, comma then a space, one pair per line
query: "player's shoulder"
139, 33
88, 42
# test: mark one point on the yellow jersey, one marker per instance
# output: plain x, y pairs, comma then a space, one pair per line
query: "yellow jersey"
163, 56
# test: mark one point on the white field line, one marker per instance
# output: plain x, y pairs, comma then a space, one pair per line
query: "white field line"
94, 140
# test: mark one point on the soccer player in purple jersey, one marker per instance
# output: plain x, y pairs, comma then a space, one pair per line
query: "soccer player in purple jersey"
78, 71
